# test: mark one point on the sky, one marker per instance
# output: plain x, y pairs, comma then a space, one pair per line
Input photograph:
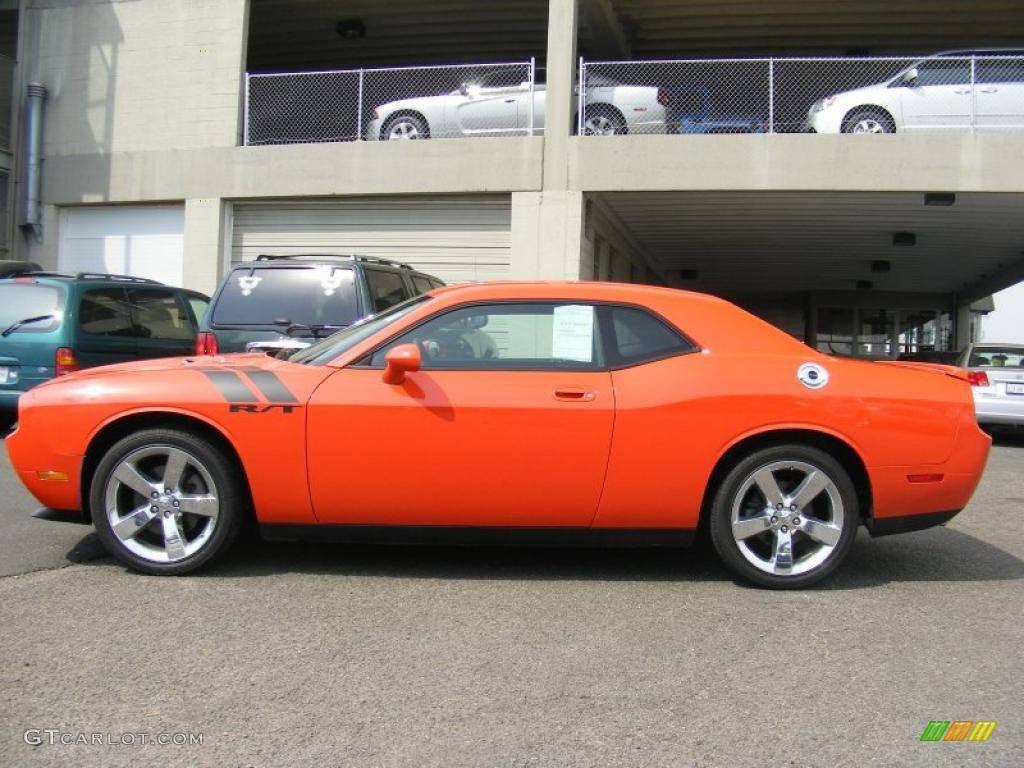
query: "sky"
1007, 322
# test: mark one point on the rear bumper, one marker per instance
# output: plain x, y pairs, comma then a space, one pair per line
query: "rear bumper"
1000, 410
929, 490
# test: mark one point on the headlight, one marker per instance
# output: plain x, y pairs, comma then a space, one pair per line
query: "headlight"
817, 106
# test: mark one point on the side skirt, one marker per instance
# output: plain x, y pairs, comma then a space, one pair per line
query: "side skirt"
887, 526
482, 536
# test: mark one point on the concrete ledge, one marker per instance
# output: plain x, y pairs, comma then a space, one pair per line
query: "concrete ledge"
903, 162
298, 170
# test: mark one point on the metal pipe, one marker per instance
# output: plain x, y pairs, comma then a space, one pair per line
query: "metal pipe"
35, 95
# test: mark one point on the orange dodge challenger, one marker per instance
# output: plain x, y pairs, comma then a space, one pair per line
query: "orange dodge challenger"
512, 412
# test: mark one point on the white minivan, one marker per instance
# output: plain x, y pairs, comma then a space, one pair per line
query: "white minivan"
981, 89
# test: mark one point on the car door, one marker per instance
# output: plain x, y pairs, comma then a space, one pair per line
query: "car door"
162, 322
508, 423
492, 105
104, 328
539, 94
941, 96
999, 92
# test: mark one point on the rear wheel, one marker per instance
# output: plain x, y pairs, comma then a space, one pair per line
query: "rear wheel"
166, 502
603, 121
785, 517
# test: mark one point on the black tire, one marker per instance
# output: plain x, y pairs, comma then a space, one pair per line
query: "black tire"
603, 120
206, 472
416, 128
753, 551
868, 120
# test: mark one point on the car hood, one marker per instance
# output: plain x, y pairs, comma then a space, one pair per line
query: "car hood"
866, 94
164, 364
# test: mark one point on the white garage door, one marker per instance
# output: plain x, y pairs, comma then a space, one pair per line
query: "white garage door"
454, 238
137, 240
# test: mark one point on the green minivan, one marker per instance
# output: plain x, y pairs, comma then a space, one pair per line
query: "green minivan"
52, 324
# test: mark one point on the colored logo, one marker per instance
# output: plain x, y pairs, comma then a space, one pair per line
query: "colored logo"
958, 730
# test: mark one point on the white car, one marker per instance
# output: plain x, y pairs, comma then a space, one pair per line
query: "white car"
996, 373
950, 90
499, 105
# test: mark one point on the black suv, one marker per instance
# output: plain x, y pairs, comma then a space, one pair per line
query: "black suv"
286, 302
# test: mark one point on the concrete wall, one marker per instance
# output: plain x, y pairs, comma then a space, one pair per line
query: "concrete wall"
142, 75
607, 250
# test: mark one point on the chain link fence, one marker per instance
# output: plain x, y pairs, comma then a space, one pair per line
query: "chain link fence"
824, 95
398, 103
790, 95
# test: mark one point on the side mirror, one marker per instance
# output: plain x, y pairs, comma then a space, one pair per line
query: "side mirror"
399, 361
910, 76
464, 89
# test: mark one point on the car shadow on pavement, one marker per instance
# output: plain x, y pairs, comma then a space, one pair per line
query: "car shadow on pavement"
941, 554
1013, 438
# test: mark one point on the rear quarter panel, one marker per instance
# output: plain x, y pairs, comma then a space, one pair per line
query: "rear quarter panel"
676, 418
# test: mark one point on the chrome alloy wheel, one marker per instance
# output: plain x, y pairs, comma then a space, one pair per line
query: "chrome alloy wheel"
404, 129
868, 125
600, 125
787, 517
161, 503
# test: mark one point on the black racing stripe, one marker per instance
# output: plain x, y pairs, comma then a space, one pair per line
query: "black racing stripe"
272, 387
231, 386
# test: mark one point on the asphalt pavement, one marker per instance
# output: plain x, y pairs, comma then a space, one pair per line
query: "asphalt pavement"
394, 656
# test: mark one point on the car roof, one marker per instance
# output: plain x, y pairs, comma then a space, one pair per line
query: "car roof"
569, 289
91, 277
312, 259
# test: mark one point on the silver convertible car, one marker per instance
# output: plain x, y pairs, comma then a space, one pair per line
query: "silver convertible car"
996, 373
498, 104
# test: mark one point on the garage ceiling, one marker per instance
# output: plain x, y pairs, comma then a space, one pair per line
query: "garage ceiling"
672, 28
301, 34
751, 243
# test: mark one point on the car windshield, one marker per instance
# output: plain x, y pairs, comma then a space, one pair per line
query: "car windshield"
24, 302
997, 357
322, 296
342, 341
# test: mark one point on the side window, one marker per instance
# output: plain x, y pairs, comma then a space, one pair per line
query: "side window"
1000, 70
549, 336
199, 307
944, 72
386, 289
159, 314
105, 312
638, 336
421, 284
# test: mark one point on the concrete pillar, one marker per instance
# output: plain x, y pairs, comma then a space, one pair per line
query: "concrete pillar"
962, 326
207, 224
547, 226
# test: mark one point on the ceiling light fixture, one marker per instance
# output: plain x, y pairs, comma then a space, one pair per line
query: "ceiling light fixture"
351, 29
904, 238
939, 198
881, 265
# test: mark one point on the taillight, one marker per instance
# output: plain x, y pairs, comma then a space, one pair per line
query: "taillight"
65, 361
206, 343
663, 97
977, 378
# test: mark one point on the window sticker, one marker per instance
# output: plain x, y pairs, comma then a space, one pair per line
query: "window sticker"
248, 283
572, 333
331, 282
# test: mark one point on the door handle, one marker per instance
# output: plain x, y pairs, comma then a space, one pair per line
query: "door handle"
510, 101
989, 90
962, 91
574, 394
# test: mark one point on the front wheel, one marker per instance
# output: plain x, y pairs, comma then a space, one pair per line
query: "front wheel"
869, 121
405, 128
166, 502
785, 517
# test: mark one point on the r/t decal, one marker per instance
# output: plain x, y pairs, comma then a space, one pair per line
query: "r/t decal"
237, 389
